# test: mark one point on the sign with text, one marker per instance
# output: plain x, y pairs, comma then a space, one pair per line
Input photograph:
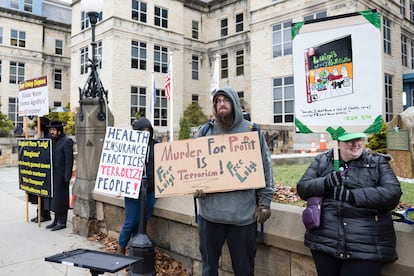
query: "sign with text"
35, 171
33, 97
212, 164
122, 162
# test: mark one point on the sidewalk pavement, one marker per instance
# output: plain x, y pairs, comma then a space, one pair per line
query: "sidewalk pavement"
24, 245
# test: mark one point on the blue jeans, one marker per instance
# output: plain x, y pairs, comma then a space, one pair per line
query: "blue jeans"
241, 241
132, 215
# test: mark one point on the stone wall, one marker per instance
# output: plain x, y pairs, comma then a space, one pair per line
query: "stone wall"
282, 252
8, 148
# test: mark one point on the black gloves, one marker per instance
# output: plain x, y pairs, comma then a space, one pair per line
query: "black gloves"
335, 189
343, 194
332, 180
199, 194
262, 213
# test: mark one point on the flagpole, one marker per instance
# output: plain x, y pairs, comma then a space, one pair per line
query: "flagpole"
214, 86
171, 99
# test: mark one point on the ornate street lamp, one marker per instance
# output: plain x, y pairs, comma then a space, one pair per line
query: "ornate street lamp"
93, 87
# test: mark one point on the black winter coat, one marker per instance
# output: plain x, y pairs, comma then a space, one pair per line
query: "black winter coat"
362, 230
62, 164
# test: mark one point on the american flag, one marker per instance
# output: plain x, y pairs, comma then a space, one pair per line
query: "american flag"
167, 84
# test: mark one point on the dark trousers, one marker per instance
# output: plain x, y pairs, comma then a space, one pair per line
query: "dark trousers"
60, 218
327, 265
241, 241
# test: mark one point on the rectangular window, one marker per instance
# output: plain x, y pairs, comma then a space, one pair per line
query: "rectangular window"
58, 47
240, 63
0, 70
160, 109
15, 4
18, 38
99, 54
16, 72
224, 62
194, 98
224, 27
283, 100
412, 54
28, 5
239, 22
85, 19
1, 35
282, 39
404, 51
138, 102
160, 59
13, 112
387, 35
138, 55
161, 17
57, 104
388, 98
412, 11
194, 29
402, 8
139, 11
317, 15
57, 76
194, 67
84, 60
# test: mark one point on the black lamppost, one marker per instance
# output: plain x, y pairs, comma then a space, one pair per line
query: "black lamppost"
93, 87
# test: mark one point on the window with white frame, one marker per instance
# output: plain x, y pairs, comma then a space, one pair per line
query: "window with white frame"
195, 64
389, 113
85, 20
1, 35
239, 22
15, 4
28, 5
139, 11
138, 102
160, 59
240, 63
224, 27
57, 78
194, 98
195, 29
160, 109
138, 55
84, 60
412, 11
282, 39
59, 47
283, 100
224, 66
13, 111
18, 38
404, 51
402, 8
99, 54
161, 17
316, 15
387, 35
16, 71
412, 54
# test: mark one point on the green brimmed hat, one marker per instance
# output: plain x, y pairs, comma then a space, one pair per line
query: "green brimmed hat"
351, 136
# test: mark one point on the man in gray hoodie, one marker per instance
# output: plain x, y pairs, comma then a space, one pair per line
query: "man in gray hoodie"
233, 215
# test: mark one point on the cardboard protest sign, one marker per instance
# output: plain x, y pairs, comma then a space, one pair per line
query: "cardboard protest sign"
122, 162
33, 97
338, 74
35, 170
212, 163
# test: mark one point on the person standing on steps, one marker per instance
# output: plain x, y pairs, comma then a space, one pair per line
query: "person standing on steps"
62, 165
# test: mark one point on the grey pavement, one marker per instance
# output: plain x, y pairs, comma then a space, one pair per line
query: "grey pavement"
24, 245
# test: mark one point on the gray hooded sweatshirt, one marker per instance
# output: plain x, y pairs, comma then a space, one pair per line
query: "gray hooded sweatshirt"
238, 207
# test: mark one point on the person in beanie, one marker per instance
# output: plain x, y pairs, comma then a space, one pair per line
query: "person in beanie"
356, 235
62, 164
233, 215
132, 205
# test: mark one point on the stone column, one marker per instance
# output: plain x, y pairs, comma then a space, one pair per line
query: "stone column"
90, 135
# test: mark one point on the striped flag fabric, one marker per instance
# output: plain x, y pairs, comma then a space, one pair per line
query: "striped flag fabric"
167, 84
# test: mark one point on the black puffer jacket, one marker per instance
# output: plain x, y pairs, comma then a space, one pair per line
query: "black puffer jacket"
363, 230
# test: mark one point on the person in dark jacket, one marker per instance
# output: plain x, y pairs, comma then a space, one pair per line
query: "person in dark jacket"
62, 165
133, 206
233, 215
356, 235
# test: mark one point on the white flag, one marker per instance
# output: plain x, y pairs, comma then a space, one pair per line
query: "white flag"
216, 77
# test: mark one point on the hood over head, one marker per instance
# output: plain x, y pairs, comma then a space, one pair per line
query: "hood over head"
142, 123
232, 95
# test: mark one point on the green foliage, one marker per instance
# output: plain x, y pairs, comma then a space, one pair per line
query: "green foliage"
185, 129
195, 115
6, 125
378, 141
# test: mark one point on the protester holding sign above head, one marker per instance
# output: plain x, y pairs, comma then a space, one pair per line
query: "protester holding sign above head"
356, 235
132, 205
62, 164
232, 215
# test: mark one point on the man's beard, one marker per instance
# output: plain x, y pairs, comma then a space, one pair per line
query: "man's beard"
225, 120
